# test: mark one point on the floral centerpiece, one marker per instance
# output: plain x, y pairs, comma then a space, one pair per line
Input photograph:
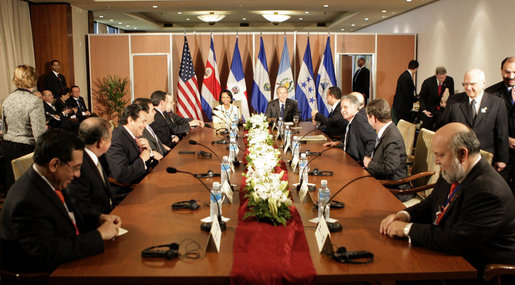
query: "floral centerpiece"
267, 193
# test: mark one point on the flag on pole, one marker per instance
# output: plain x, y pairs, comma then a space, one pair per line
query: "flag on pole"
284, 74
236, 82
261, 87
325, 79
305, 92
211, 87
188, 98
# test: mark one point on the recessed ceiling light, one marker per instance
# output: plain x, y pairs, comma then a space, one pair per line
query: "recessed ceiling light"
119, 23
384, 17
187, 19
111, 20
244, 19
325, 5
353, 25
128, 26
384, 11
180, 13
155, 7
307, 12
300, 19
343, 29
101, 17
408, 0
366, 19
135, 28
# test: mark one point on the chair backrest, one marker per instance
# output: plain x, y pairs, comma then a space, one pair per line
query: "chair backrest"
424, 159
487, 155
21, 164
407, 131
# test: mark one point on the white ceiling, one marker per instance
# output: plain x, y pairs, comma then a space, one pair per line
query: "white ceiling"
306, 15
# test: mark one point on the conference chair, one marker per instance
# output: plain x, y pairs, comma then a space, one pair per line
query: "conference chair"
488, 156
424, 172
407, 131
498, 274
21, 164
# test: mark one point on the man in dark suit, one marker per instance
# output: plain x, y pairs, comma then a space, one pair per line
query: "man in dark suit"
334, 125
91, 192
52, 118
39, 227
482, 112
361, 79
128, 155
77, 102
359, 138
506, 91
54, 80
388, 161
158, 148
471, 211
405, 94
434, 94
161, 125
282, 107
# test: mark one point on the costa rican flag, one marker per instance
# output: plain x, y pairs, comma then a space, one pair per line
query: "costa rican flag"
236, 82
261, 88
211, 84
188, 97
325, 79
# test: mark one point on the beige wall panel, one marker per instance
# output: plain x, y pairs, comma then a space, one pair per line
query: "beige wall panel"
393, 55
346, 71
150, 43
146, 82
109, 55
356, 43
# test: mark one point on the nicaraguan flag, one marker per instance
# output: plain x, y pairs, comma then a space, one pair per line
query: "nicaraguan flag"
261, 87
211, 84
236, 82
325, 79
305, 93
284, 74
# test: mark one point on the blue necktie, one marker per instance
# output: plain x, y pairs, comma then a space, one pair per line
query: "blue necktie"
282, 111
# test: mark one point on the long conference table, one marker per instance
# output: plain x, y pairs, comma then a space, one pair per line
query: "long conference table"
147, 215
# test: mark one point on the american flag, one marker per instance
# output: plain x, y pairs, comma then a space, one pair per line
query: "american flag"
188, 97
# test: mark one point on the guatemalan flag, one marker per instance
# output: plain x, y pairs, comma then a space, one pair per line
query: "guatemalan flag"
284, 74
188, 98
325, 79
236, 82
305, 93
211, 85
261, 88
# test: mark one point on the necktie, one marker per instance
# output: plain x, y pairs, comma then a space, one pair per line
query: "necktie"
375, 147
99, 167
282, 111
512, 95
473, 109
158, 143
79, 107
140, 148
445, 206
345, 138
331, 113
61, 197
439, 89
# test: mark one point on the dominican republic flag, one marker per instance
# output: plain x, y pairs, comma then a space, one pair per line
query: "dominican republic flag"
188, 98
236, 82
261, 88
325, 79
284, 74
305, 93
211, 84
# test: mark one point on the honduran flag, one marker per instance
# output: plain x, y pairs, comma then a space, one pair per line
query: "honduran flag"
285, 74
325, 79
261, 87
211, 84
305, 92
236, 82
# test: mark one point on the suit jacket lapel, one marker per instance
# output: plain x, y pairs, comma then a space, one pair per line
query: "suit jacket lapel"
465, 108
485, 105
130, 138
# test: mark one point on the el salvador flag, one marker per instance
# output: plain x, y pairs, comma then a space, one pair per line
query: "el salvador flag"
305, 92
261, 88
325, 79
236, 82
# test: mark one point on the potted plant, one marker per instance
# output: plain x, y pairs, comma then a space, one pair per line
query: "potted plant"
111, 96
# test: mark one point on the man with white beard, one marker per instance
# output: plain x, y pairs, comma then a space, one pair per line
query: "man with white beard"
471, 211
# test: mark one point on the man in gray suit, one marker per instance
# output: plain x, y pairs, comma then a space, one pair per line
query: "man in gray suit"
388, 160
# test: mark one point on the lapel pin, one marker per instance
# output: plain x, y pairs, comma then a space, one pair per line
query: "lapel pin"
483, 110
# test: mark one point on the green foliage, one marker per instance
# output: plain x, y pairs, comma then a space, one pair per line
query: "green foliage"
260, 209
112, 95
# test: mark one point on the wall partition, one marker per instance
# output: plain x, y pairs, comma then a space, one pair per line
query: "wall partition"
151, 61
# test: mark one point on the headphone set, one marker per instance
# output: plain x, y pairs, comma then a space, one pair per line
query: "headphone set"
167, 251
204, 154
208, 174
317, 172
343, 256
186, 205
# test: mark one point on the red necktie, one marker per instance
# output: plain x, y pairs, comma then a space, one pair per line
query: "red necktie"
439, 89
140, 148
61, 197
445, 206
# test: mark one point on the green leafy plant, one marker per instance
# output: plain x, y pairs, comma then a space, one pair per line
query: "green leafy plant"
112, 95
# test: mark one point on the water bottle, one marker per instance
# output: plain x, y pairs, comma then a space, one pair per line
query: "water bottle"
303, 168
324, 194
280, 125
233, 149
296, 147
234, 131
225, 171
287, 135
216, 197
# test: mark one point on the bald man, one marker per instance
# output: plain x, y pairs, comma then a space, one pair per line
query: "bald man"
482, 112
471, 211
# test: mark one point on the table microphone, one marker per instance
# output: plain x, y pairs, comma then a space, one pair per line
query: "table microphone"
203, 226
337, 227
222, 131
223, 119
307, 164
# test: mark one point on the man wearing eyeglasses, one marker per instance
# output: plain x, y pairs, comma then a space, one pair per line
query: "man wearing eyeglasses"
41, 228
482, 112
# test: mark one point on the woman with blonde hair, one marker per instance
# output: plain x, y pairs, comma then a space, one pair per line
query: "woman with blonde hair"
23, 119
